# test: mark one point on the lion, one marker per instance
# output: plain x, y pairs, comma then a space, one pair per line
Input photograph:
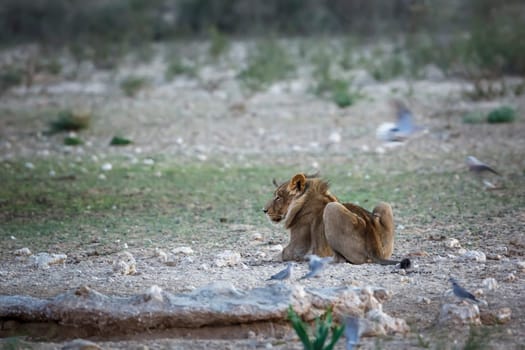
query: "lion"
319, 224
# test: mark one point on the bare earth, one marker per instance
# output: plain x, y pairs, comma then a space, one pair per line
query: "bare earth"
190, 120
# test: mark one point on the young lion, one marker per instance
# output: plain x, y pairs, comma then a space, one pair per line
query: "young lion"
319, 224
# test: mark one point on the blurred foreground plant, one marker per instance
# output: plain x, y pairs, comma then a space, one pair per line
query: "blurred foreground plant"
320, 331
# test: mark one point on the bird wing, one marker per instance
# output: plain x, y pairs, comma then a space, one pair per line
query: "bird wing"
351, 331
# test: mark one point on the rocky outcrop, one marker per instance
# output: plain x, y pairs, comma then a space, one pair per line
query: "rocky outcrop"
213, 305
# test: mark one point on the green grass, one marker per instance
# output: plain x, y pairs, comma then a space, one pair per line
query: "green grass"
131, 85
189, 200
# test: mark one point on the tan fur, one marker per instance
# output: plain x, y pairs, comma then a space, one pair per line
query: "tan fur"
319, 224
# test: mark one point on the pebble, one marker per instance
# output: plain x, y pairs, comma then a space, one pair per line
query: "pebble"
474, 255
23, 252
257, 236
227, 258
276, 248
106, 167
510, 277
490, 283
182, 250
521, 265
452, 243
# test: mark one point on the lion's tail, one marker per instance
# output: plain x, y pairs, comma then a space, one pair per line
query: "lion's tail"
404, 263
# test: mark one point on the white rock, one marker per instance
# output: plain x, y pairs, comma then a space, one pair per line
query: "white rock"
126, 264
490, 283
452, 243
106, 167
23, 252
154, 293
29, 165
464, 313
521, 265
474, 255
80, 344
334, 137
161, 254
503, 315
43, 260
275, 248
182, 250
381, 323
257, 236
423, 300
101, 177
227, 258
148, 161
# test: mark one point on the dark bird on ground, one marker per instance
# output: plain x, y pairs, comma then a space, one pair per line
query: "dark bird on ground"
477, 166
284, 274
461, 292
316, 265
351, 332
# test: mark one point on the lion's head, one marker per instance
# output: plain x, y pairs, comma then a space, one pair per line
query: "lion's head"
277, 207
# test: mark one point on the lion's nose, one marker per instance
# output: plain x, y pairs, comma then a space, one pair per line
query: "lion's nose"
265, 210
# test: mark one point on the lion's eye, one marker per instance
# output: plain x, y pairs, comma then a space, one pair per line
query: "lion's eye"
277, 198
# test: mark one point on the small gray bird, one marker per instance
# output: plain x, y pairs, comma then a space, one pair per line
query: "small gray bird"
316, 265
461, 292
402, 129
284, 274
477, 166
351, 332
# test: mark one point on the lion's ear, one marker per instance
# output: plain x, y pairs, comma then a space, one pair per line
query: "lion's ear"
275, 182
297, 183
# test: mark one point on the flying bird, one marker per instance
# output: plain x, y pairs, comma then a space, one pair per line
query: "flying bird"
402, 129
461, 292
351, 332
316, 265
284, 274
477, 166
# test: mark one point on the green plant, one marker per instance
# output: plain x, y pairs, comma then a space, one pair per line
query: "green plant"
322, 327
9, 77
218, 43
120, 141
177, 67
72, 141
475, 117
70, 120
337, 90
267, 64
132, 84
477, 340
502, 114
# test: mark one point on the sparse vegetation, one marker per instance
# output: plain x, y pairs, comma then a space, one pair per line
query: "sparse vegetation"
179, 67
502, 114
322, 328
72, 141
219, 44
9, 77
268, 63
70, 120
132, 85
120, 141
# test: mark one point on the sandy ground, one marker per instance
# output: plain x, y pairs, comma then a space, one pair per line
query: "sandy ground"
190, 120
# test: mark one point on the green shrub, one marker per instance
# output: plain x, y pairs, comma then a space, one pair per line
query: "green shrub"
132, 84
120, 141
267, 64
322, 327
9, 77
502, 114
475, 117
70, 120
177, 67
218, 43
72, 141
